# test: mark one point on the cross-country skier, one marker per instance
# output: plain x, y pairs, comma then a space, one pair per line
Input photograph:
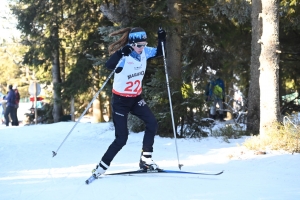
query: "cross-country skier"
129, 57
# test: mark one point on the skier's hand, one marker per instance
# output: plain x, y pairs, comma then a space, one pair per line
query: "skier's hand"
119, 69
126, 50
161, 34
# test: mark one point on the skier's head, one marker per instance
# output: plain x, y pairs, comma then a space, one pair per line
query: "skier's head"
137, 39
218, 74
137, 35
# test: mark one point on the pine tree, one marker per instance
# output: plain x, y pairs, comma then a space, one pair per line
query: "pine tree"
269, 65
253, 116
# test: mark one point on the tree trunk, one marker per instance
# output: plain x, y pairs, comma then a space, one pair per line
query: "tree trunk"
97, 105
174, 55
173, 44
57, 110
269, 66
56, 75
108, 108
63, 65
72, 111
254, 91
97, 113
117, 13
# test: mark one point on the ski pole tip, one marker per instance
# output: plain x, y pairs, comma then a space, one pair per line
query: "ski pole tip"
54, 153
180, 165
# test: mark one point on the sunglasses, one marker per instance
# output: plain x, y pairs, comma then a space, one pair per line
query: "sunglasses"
140, 45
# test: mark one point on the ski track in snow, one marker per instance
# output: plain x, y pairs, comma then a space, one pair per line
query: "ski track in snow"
28, 170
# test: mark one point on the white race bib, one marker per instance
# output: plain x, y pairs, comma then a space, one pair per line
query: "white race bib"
129, 81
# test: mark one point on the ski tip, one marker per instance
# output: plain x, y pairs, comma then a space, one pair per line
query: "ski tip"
91, 179
220, 172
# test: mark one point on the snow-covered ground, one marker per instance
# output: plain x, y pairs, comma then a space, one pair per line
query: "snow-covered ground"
23, 108
28, 171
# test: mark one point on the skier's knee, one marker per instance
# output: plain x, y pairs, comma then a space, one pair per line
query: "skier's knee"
152, 126
121, 142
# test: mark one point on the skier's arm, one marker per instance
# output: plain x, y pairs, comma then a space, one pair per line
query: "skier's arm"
116, 57
113, 60
156, 52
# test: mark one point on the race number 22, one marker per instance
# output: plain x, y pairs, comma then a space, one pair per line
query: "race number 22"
133, 86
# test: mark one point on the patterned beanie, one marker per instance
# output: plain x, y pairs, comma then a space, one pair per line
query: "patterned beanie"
137, 35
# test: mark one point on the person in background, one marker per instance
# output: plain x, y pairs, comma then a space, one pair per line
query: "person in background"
207, 105
129, 57
216, 96
207, 90
16, 121
1, 107
10, 106
4, 108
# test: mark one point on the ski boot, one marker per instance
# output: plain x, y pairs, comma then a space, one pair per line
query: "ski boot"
146, 162
100, 169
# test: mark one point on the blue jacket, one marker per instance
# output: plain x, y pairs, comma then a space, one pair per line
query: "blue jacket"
11, 98
213, 83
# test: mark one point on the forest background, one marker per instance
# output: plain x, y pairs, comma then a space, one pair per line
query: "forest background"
63, 46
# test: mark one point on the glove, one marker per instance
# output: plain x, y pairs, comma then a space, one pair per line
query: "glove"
119, 69
161, 34
126, 50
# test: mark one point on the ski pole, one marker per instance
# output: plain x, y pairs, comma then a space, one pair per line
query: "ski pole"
89, 105
170, 101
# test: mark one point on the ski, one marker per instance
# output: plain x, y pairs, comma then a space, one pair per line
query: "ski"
91, 179
141, 171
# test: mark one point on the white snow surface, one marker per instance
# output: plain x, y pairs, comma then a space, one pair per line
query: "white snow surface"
28, 171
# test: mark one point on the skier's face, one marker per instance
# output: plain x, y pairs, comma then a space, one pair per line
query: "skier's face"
139, 47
